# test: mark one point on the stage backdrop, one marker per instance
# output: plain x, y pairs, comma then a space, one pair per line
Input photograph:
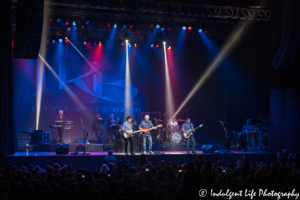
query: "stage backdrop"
81, 87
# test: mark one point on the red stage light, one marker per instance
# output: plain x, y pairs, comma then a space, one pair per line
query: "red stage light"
122, 44
84, 42
151, 26
50, 20
100, 44
169, 47
205, 31
108, 25
67, 23
66, 41
130, 26
169, 29
134, 44
190, 28
157, 46
47, 41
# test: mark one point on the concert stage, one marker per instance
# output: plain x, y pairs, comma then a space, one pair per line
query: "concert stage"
94, 161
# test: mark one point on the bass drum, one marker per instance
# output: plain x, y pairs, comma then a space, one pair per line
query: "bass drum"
175, 138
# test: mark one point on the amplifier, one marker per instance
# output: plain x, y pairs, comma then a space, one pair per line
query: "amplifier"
208, 148
61, 149
46, 138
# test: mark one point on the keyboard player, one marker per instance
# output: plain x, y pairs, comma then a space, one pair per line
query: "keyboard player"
61, 129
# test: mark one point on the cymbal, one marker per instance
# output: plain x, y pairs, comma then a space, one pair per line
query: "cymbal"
180, 120
159, 120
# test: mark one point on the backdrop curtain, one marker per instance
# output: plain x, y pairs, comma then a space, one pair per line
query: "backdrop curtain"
7, 139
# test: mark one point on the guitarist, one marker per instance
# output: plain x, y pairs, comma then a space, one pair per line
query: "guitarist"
185, 128
128, 126
144, 124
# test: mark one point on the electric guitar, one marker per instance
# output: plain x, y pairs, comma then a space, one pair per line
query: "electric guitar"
145, 130
129, 133
190, 132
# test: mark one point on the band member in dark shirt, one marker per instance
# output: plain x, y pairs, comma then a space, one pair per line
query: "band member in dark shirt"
186, 127
127, 128
97, 125
61, 130
110, 123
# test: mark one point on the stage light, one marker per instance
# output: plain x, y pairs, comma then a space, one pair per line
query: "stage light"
124, 26
87, 22
151, 45
53, 41
135, 45
67, 23
157, 26
200, 30
68, 28
100, 44
128, 101
58, 20
151, 26
157, 46
190, 28
122, 44
74, 23
60, 40
162, 29
169, 47
115, 25
84, 42
184, 28
50, 20
66, 41
169, 29
205, 31
75, 28
82, 26
108, 25
129, 45
130, 26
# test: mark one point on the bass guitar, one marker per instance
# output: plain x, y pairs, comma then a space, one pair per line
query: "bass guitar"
190, 132
145, 130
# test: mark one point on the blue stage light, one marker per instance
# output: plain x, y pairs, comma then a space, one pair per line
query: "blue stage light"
162, 29
151, 45
124, 26
74, 23
184, 28
53, 41
60, 40
87, 22
200, 30
58, 20
157, 26
115, 25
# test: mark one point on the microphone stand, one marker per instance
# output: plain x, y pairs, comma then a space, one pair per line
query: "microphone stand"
83, 138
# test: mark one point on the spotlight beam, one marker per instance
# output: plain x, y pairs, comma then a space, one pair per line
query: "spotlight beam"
69, 91
229, 46
168, 86
128, 101
39, 94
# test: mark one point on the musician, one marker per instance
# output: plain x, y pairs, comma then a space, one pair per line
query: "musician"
185, 128
61, 130
97, 125
171, 123
110, 122
147, 124
127, 127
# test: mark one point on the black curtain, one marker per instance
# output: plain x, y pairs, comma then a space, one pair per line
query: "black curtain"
285, 108
7, 138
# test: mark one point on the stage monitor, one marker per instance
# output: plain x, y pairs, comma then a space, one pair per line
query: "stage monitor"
61, 149
208, 148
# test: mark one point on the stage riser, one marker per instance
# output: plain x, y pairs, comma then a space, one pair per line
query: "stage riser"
73, 147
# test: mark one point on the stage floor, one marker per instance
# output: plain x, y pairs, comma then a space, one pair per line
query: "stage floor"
38, 153
94, 161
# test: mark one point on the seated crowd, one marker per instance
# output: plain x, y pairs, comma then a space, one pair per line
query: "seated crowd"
119, 180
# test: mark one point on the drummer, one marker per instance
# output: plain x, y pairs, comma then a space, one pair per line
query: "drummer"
172, 126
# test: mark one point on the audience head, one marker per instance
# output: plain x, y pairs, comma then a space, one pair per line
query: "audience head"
110, 152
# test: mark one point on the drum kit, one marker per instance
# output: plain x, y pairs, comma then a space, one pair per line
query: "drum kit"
172, 133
